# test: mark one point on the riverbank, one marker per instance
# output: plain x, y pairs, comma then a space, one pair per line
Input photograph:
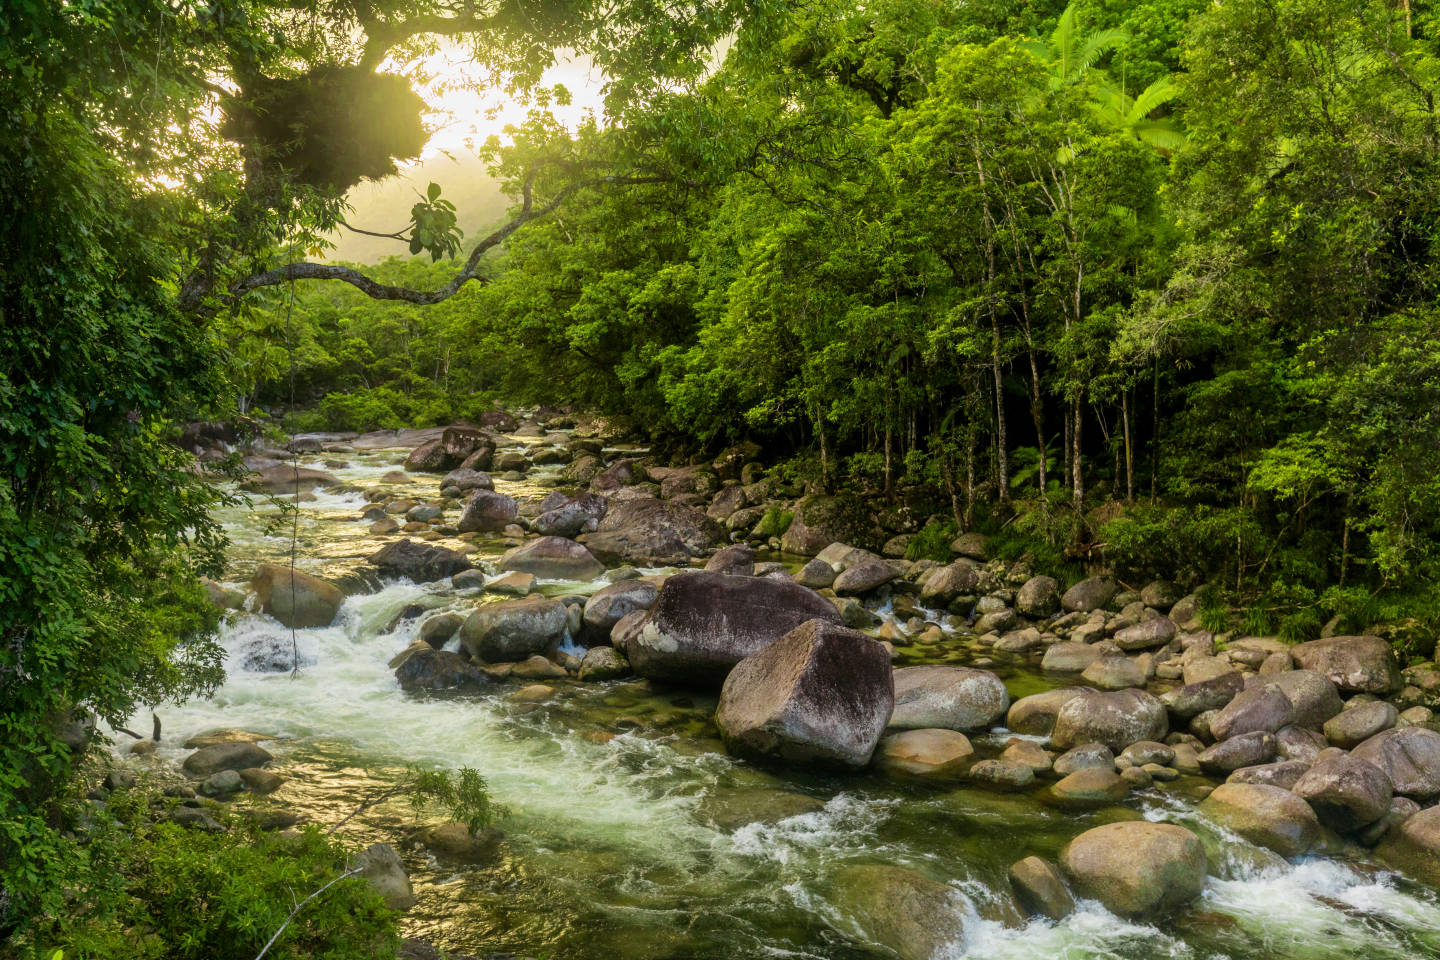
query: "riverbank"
631, 832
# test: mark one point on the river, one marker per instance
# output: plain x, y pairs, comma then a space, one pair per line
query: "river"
625, 824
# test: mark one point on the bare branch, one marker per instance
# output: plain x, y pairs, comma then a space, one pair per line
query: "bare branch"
349, 872
381, 291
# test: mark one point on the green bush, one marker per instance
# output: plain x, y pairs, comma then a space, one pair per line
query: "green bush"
177, 894
933, 541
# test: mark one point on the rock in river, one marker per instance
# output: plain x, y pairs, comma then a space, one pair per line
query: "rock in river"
1409, 757
436, 670
418, 562
487, 512
950, 698
1116, 719
553, 558
607, 606
916, 917
653, 533
702, 624
513, 629
1268, 816
295, 599
225, 756
1414, 846
821, 694
380, 865
938, 754
1136, 868
1347, 793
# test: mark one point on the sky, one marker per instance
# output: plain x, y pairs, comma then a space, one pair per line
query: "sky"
464, 116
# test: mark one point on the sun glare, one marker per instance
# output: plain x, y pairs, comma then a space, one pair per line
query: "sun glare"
465, 111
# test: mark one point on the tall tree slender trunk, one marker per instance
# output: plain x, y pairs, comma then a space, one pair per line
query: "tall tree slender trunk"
970, 478
1076, 435
1037, 409
1002, 454
1154, 427
1129, 450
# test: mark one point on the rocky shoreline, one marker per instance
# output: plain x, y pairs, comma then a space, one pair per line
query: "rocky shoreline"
802, 615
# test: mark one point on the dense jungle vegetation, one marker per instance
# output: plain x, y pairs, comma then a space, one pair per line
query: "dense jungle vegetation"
1150, 283
1158, 278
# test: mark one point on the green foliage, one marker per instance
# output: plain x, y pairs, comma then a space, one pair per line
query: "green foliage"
170, 892
933, 541
774, 523
463, 794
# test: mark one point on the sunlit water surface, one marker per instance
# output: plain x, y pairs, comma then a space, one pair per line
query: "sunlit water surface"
630, 847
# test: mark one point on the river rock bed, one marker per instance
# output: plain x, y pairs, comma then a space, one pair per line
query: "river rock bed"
572, 624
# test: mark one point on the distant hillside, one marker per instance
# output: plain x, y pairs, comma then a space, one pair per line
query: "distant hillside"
385, 206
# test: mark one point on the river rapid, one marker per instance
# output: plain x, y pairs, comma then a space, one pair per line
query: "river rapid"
630, 835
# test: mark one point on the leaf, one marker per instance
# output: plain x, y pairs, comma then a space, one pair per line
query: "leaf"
433, 191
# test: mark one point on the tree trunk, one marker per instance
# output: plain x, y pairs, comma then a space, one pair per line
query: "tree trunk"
1002, 455
1076, 434
970, 478
1154, 428
1129, 450
1037, 414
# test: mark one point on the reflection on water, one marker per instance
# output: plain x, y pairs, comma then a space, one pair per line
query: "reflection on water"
631, 835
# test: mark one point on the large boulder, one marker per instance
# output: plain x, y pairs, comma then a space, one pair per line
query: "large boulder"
607, 606
1035, 715
702, 624
380, 865
487, 512
1409, 757
238, 755
1147, 634
435, 670
903, 911
1135, 867
1353, 726
1268, 816
1312, 694
1196, 698
1092, 593
653, 533
1354, 664
1347, 793
1116, 719
949, 698
944, 584
514, 629
287, 480
553, 558
575, 516
1263, 708
822, 520
821, 695
1242, 750
448, 451
1414, 846
419, 562
295, 599
864, 576
1038, 598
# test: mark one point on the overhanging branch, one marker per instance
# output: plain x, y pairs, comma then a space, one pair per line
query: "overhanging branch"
382, 291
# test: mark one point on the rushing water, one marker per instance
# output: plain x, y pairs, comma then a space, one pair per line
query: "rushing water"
627, 832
